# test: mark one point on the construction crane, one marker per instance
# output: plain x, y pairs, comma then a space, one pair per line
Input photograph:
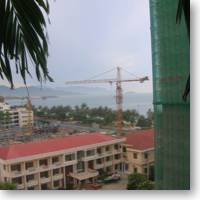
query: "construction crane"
29, 108
119, 95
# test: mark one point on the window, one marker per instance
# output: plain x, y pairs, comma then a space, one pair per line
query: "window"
135, 170
116, 146
80, 154
44, 174
43, 162
44, 186
29, 177
17, 180
70, 157
117, 157
107, 148
124, 149
146, 155
16, 167
31, 188
56, 183
90, 152
99, 151
145, 170
80, 166
135, 155
116, 167
99, 161
56, 171
55, 159
29, 165
108, 158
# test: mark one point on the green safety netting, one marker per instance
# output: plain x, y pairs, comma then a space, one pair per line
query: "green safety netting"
171, 65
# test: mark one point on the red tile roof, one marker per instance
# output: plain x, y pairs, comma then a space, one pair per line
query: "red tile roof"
51, 145
141, 140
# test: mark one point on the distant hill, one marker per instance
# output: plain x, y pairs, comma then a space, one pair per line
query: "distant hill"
84, 89
47, 91
34, 91
79, 91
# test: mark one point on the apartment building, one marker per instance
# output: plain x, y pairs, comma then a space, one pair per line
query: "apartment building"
54, 163
139, 153
16, 116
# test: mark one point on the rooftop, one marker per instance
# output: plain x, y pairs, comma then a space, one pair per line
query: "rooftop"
50, 145
141, 140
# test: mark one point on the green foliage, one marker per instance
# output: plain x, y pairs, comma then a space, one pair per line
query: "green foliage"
7, 186
4, 117
144, 122
69, 186
146, 185
84, 114
139, 182
134, 180
23, 38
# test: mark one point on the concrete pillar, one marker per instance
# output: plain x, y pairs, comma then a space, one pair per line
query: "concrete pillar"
25, 182
39, 183
51, 178
49, 161
86, 166
74, 169
64, 174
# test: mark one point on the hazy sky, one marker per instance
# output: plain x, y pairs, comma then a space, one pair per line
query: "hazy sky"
88, 37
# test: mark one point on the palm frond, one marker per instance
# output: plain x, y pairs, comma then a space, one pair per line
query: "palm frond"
23, 38
184, 8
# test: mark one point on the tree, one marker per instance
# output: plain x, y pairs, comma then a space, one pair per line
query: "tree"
4, 118
146, 185
7, 186
23, 39
134, 180
139, 182
144, 122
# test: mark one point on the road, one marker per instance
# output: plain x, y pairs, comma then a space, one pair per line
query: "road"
120, 185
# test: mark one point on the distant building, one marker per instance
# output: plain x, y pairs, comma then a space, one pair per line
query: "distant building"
54, 163
16, 116
139, 153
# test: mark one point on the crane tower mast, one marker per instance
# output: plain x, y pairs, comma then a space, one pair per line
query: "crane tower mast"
119, 95
119, 102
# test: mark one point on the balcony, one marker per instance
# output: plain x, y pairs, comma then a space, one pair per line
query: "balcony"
98, 166
32, 183
43, 167
57, 164
44, 180
105, 153
58, 177
31, 169
116, 151
15, 173
70, 162
117, 161
108, 163
20, 186
88, 158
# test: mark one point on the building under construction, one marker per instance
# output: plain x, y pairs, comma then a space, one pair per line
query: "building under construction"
170, 61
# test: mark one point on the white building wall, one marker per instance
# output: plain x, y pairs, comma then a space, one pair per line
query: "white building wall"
18, 116
9, 174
